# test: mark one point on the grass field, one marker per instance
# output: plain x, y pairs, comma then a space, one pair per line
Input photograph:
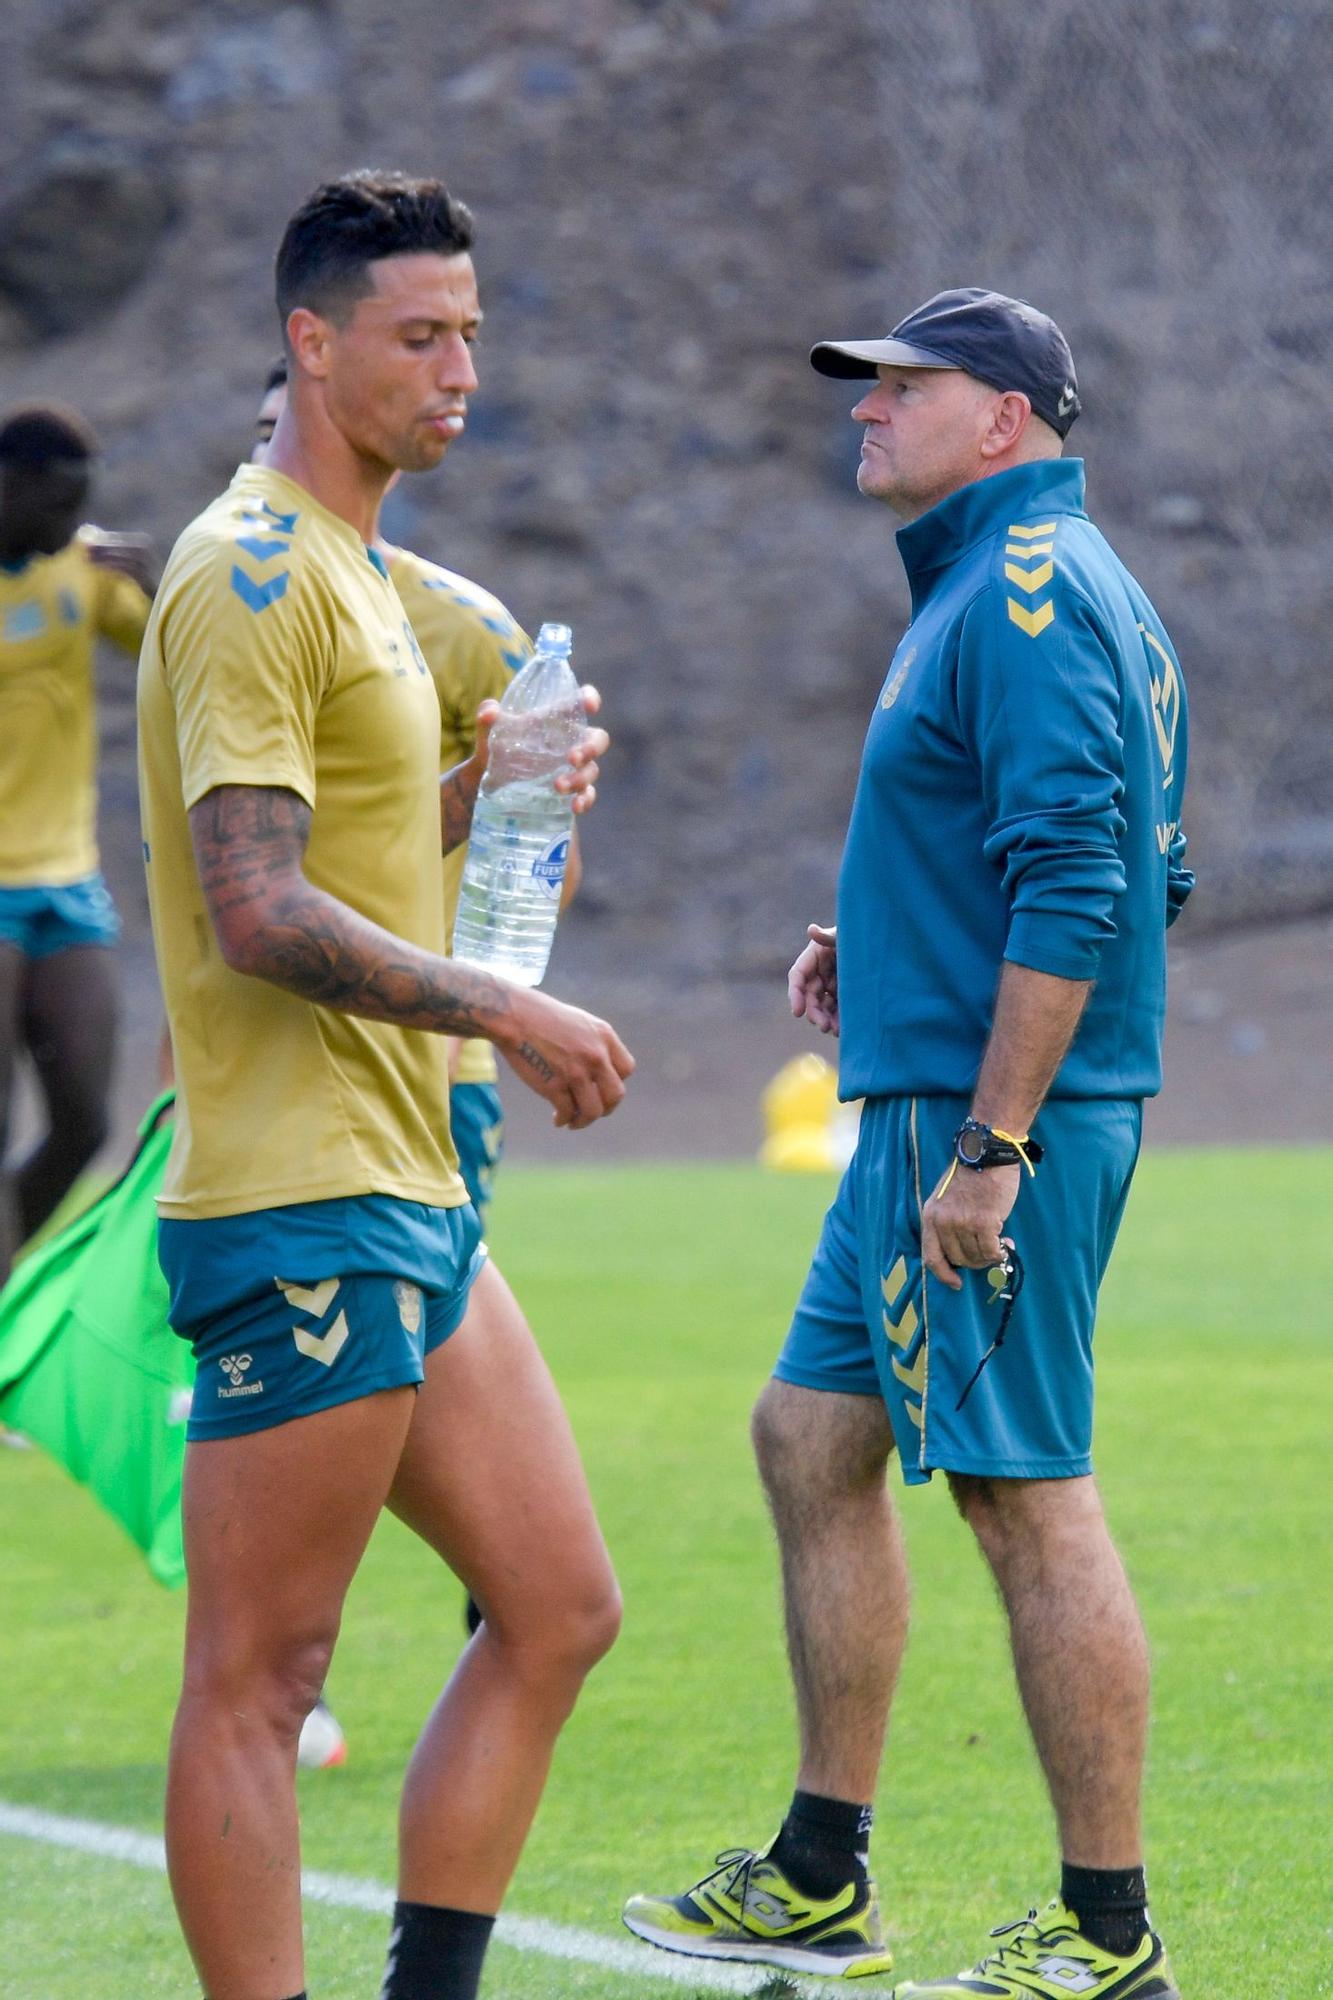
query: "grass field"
660, 1295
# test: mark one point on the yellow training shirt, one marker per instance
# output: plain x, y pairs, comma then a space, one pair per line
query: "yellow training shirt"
278, 655
473, 647
52, 609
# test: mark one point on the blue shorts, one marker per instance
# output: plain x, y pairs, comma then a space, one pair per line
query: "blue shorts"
41, 921
477, 1121
872, 1321
292, 1310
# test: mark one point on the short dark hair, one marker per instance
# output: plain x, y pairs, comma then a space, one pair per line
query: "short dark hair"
348, 224
33, 434
277, 375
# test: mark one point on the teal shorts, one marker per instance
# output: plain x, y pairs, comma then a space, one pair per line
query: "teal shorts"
42, 921
872, 1321
292, 1310
477, 1121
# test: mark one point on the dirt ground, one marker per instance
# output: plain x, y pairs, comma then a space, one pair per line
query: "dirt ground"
1249, 1056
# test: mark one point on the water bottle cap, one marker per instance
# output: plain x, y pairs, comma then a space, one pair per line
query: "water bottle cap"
555, 639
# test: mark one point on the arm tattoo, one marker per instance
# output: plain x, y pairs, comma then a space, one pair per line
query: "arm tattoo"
458, 798
274, 924
535, 1061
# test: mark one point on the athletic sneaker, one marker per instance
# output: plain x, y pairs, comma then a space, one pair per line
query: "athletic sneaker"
322, 1741
748, 1910
1047, 1957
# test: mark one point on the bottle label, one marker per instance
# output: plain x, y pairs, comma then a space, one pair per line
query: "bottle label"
548, 870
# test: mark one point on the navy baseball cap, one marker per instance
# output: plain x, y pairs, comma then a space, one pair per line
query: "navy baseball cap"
1001, 341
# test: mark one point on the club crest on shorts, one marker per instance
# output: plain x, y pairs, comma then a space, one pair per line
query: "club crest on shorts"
407, 1298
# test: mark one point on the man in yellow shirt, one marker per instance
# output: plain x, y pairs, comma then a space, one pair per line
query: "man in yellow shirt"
473, 645
61, 588
316, 1236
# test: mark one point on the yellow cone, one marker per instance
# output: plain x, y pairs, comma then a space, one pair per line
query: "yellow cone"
806, 1130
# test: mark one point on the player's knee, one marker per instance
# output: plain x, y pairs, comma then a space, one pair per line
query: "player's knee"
813, 1449
774, 1438
597, 1626
273, 1684
295, 1683
589, 1625
563, 1639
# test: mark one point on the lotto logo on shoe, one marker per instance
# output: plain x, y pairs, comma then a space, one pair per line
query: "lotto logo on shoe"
234, 1367
1068, 1974
548, 870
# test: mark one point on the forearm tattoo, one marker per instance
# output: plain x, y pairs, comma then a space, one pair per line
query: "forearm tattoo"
249, 843
458, 799
535, 1060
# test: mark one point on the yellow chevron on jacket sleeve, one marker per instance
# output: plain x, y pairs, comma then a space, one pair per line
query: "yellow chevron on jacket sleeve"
1030, 579
1029, 566
1034, 623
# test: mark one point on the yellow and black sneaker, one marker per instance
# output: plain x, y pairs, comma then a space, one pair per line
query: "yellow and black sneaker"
1045, 1956
747, 1910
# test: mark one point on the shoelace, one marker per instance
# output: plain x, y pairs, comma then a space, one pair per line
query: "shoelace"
737, 1863
1024, 1947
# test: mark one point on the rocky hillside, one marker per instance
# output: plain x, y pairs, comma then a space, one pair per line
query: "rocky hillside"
675, 198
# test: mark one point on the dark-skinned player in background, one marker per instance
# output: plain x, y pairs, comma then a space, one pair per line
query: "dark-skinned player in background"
62, 587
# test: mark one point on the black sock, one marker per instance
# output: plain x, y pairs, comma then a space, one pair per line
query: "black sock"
1111, 1905
824, 1844
434, 1953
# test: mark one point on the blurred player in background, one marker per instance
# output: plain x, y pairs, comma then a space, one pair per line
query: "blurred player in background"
354, 1350
61, 588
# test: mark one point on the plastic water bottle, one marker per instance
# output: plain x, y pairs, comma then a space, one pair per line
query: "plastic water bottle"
519, 844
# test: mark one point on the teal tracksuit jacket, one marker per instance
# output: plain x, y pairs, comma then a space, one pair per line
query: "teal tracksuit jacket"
1019, 799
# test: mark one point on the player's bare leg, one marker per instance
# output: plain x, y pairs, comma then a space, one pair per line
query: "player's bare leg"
822, 1458
275, 1525
69, 1026
12, 965
1079, 1654
491, 1479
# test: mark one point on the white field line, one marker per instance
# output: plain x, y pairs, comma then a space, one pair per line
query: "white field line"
346, 1892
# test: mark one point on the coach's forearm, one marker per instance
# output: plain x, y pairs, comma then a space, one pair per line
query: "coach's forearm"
1036, 1016
310, 944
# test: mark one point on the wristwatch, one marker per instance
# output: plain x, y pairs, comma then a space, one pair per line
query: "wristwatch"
978, 1146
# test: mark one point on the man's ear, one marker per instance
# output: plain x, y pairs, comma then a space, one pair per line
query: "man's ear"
309, 337
1009, 420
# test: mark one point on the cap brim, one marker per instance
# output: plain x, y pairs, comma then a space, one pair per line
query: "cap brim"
853, 360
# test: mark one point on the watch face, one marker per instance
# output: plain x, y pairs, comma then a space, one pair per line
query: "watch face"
971, 1146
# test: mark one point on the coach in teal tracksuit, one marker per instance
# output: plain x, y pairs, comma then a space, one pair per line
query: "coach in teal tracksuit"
1019, 804
997, 980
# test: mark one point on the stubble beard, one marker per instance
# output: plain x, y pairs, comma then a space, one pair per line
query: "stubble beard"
878, 484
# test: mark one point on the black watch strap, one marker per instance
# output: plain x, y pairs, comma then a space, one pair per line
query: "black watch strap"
980, 1146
